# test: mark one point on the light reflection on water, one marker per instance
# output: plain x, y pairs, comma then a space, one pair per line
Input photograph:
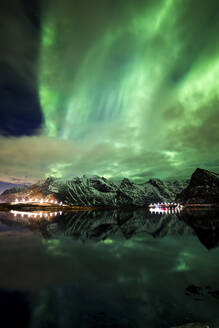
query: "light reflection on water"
109, 269
52, 214
166, 210
35, 214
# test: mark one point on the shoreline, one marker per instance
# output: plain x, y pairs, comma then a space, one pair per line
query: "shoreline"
7, 207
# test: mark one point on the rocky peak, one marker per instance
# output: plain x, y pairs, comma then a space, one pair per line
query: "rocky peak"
156, 183
202, 189
201, 176
102, 184
126, 183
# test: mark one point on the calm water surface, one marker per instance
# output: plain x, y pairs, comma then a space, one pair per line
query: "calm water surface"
109, 269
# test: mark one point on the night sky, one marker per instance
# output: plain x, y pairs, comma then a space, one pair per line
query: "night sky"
117, 88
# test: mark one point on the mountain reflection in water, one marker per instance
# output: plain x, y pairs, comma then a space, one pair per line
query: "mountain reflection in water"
116, 268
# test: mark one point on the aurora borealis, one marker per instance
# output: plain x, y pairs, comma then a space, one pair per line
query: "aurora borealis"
124, 88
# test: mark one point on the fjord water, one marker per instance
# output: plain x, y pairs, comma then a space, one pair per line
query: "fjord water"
109, 269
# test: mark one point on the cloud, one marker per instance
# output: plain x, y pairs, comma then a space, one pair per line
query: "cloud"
113, 152
32, 158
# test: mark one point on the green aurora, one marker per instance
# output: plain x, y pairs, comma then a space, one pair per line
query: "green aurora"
131, 85
146, 78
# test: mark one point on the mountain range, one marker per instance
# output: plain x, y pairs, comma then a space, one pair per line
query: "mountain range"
98, 191
203, 187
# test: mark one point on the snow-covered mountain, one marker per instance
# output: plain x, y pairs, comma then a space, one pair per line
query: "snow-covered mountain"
98, 191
